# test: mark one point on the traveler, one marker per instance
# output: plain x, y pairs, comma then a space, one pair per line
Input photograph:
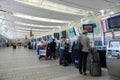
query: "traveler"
66, 54
62, 49
84, 40
52, 49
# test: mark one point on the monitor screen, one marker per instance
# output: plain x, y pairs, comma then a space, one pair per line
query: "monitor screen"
48, 37
56, 35
71, 32
44, 38
88, 27
114, 44
76, 31
114, 22
64, 33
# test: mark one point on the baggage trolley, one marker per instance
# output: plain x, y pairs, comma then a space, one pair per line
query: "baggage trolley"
43, 53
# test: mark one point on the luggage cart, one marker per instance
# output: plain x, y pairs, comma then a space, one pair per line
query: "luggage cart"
43, 53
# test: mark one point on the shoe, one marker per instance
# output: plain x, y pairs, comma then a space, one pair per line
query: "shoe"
84, 73
61, 63
80, 72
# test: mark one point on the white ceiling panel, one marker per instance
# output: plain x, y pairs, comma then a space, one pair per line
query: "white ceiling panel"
37, 22
35, 11
33, 30
8, 7
94, 5
24, 26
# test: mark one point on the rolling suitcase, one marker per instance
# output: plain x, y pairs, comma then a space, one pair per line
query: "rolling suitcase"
76, 62
95, 69
14, 46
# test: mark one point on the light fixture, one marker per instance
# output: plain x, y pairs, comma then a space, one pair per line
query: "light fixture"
102, 12
33, 25
39, 18
54, 6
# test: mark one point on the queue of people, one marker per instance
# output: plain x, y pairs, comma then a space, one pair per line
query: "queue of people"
83, 43
80, 49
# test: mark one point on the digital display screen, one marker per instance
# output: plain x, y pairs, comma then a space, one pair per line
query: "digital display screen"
76, 31
56, 35
71, 32
44, 38
114, 44
64, 33
48, 37
88, 27
114, 21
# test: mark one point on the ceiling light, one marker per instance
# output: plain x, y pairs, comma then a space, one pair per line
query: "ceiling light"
102, 12
33, 25
111, 12
54, 6
30, 28
39, 18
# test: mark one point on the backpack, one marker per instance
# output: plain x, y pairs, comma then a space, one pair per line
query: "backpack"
78, 45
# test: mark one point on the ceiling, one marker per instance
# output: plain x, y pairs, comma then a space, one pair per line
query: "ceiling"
53, 19
94, 5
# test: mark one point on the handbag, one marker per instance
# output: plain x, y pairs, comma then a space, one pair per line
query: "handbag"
78, 46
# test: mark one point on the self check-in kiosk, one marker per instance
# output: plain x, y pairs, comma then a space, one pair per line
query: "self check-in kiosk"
113, 58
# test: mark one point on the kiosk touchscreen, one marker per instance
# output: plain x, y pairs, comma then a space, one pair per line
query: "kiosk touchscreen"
114, 44
113, 58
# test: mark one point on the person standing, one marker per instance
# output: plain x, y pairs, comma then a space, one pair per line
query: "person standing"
52, 49
84, 40
62, 49
66, 54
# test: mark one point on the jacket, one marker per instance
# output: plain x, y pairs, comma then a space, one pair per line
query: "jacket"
85, 43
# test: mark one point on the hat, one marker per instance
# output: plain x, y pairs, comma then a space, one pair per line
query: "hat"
85, 32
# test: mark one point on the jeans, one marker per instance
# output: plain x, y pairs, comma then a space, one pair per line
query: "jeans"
61, 55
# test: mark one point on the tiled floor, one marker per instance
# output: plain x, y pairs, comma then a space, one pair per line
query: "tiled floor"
23, 64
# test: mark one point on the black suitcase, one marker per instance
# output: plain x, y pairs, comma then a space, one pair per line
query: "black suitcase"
95, 69
14, 46
76, 62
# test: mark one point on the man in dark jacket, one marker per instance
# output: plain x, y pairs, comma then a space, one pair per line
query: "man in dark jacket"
52, 49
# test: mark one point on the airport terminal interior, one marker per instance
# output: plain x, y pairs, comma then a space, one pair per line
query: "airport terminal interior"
56, 39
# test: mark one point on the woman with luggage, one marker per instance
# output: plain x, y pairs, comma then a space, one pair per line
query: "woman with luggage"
84, 40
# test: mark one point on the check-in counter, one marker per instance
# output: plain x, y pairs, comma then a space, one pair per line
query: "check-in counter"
113, 58
102, 56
